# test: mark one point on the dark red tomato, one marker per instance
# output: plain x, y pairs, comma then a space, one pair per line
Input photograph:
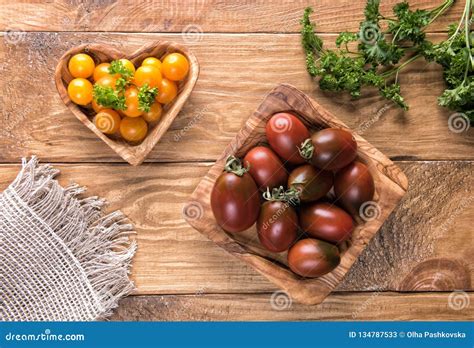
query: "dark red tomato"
311, 183
353, 186
265, 168
235, 200
313, 258
327, 222
285, 134
333, 148
277, 225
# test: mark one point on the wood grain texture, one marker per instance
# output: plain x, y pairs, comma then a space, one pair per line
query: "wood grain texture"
431, 221
207, 16
338, 306
390, 186
174, 258
425, 245
134, 154
236, 72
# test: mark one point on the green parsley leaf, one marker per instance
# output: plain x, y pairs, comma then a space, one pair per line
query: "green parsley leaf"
460, 98
456, 57
146, 97
346, 37
108, 97
379, 57
371, 11
121, 84
392, 92
311, 42
410, 24
117, 67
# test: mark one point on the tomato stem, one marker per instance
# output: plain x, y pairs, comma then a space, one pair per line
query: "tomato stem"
234, 165
290, 196
307, 149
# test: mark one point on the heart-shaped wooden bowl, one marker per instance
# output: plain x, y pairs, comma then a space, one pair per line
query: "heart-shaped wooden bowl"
133, 154
390, 186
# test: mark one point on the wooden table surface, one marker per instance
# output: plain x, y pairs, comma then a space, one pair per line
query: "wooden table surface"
422, 253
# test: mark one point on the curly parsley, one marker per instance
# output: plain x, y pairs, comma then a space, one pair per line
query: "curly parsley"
374, 61
114, 97
117, 67
109, 97
456, 56
146, 97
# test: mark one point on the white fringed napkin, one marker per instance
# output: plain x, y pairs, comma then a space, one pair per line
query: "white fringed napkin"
60, 257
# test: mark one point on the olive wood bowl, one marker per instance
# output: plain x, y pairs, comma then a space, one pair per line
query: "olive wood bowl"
134, 154
390, 186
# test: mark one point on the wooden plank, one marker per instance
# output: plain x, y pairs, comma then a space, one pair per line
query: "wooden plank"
236, 72
174, 258
205, 16
338, 306
423, 245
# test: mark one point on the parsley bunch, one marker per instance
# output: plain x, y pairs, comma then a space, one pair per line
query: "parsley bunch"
109, 97
114, 98
377, 59
117, 67
146, 97
456, 56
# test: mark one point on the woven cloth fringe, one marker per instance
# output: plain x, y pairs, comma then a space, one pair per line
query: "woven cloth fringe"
60, 257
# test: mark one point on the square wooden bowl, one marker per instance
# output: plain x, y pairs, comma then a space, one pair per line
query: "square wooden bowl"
390, 186
133, 154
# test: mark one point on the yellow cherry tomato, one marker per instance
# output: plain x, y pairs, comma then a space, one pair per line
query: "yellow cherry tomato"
128, 64
107, 121
107, 81
96, 107
100, 71
131, 101
133, 129
175, 66
81, 65
147, 74
154, 114
152, 61
80, 91
167, 91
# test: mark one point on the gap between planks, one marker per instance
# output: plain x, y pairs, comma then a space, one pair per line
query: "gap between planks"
338, 306
208, 33
266, 292
207, 162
